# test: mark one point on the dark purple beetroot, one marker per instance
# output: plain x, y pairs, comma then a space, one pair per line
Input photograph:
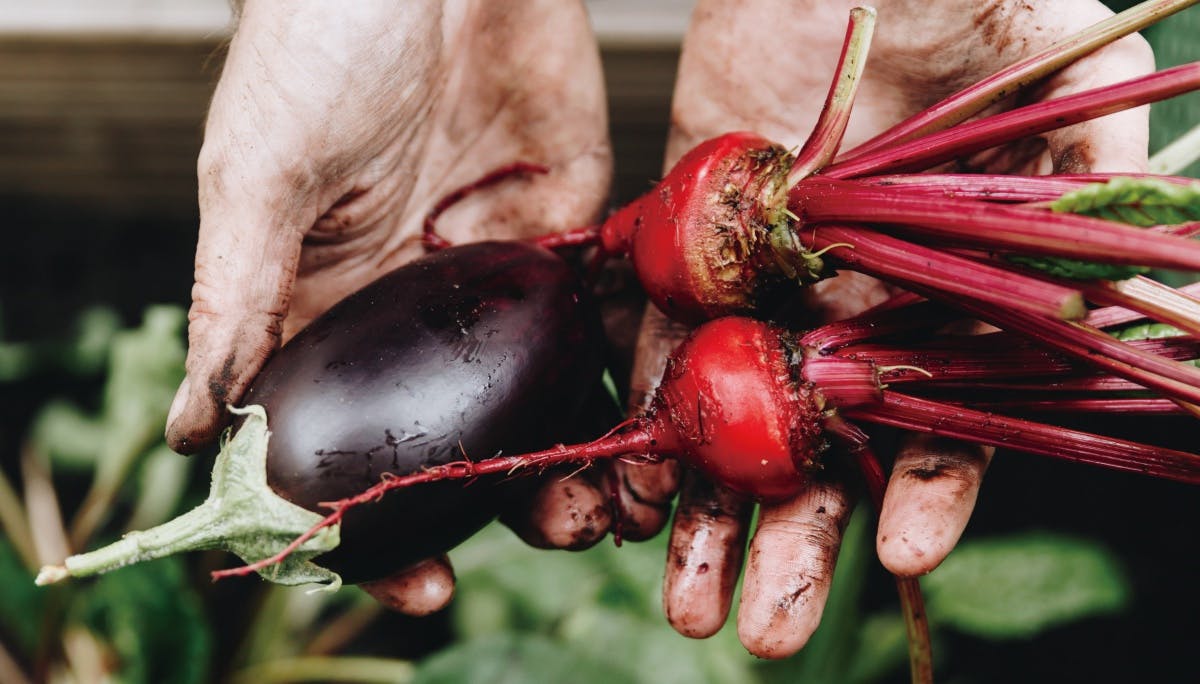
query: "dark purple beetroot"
473, 350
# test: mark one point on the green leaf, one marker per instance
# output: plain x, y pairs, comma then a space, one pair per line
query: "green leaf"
521, 658
153, 621
1147, 331
598, 602
1019, 586
1074, 269
85, 354
1174, 43
882, 648
1140, 202
144, 367
21, 603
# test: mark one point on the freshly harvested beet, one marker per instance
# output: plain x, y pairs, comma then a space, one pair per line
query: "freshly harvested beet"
474, 350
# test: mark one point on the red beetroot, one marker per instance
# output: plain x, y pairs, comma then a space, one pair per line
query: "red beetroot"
700, 239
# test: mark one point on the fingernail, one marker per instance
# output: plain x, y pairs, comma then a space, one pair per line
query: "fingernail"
179, 402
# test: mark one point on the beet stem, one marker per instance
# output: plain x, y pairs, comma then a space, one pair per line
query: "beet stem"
1004, 83
1113, 316
979, 186
905, 312
912, 602
823, 143
429, 235
974, 136
1154, 299
908, 264
947, 420
1116, 405
994, 226
842, 382
993, 356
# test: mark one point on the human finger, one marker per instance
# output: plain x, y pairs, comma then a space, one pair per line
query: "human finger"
789, 569
418, 590
563, 512
644, 491
1117, 142
929, 499
704, 556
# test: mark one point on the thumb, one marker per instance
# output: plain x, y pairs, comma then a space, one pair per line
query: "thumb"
1114, 143
246, 260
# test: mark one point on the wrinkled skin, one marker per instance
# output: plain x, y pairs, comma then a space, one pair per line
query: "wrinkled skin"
922, 52
336, 126
333, 130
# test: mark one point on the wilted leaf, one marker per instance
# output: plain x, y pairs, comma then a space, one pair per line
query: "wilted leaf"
1018, 586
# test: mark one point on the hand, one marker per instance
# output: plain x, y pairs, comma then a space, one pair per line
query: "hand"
333, 130
765, 65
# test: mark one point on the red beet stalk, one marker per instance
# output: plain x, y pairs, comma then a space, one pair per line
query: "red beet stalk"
1006, 82
968, 138
993, 226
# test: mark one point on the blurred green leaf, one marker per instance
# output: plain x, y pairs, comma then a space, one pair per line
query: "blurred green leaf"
1174, 42
541, 588
882, 648
152, 620
71, 437
521, 658
145, 366
599, 602
21, 602
653, 652
162, 483
84, 354
1018, 586
1076, 269
327, 669
1147, 331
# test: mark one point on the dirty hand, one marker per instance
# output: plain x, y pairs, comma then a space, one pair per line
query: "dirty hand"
334, 128
764, 66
